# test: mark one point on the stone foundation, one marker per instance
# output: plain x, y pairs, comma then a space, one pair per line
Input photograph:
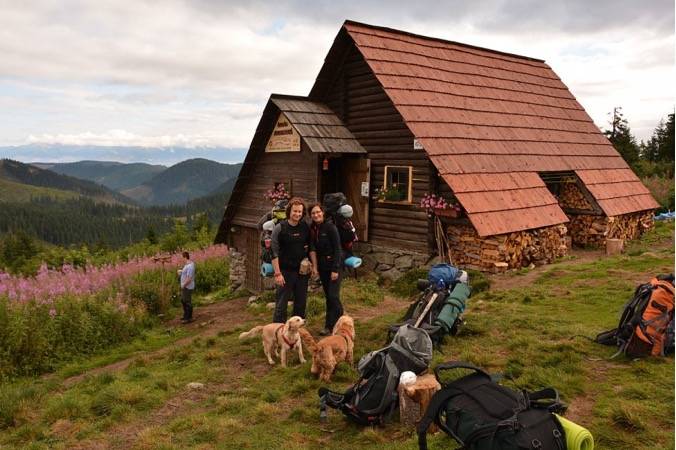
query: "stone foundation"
237, 269
506, 251
389, 263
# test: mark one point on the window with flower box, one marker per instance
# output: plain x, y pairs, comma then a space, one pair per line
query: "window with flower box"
398, 184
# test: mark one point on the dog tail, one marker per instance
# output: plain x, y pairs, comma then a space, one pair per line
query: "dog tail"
308, 341
255, 331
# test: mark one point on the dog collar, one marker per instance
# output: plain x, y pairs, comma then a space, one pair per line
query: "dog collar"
290, 344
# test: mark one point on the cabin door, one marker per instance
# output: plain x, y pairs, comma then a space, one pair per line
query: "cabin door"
355, 185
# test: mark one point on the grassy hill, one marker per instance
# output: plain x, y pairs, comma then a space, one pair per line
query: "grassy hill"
27, 174
114, 175
524, 327
11, 191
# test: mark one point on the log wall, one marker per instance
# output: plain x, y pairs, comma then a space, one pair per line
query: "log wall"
359, 100
301, 168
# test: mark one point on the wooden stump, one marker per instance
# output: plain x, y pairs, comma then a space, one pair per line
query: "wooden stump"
614, 246
414, 399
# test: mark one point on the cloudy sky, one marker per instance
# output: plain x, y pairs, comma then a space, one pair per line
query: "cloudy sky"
197, 73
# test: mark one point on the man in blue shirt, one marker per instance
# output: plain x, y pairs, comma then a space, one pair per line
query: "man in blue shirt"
187, 286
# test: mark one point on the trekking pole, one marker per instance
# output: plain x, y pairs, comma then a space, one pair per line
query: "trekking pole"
426, 310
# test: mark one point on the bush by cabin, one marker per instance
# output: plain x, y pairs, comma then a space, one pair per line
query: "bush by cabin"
394, 116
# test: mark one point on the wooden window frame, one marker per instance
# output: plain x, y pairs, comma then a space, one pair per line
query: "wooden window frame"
409, 194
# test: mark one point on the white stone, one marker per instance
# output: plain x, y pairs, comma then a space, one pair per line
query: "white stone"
195, 385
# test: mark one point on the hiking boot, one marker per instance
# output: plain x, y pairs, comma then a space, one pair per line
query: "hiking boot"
325, 332
186, 320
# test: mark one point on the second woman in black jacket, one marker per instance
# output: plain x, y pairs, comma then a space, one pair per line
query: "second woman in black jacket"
329, 261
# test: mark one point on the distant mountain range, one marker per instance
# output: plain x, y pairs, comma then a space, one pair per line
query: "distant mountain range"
155, 185
184, 181
65, 210
126, 154
114, 175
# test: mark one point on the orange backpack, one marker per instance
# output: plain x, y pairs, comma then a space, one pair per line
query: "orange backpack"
647, 321
659, 312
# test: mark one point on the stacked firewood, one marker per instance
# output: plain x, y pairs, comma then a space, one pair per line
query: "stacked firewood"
592, 231
501, 252
570, 196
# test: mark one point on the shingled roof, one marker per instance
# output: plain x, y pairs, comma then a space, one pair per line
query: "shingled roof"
490, 121
321, 129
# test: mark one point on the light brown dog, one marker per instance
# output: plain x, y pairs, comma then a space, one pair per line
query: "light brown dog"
279, 338
328, 352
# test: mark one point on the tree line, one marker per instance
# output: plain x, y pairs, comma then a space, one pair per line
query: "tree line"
654, 157
103, 225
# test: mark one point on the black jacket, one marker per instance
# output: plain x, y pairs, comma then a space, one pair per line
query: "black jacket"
326, 243
290, 244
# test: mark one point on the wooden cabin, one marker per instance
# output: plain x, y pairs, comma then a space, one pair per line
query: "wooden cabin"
393, 116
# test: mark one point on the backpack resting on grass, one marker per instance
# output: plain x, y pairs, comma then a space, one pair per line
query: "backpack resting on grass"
483, 415
438, 310
371, 400
647, 322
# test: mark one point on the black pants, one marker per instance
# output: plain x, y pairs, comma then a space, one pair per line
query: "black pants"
334, 309
186, 301
295, 286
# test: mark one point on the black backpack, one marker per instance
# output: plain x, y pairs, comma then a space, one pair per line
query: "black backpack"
483, 415
332, 202
373, 398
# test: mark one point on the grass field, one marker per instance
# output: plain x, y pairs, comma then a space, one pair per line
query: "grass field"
523, 327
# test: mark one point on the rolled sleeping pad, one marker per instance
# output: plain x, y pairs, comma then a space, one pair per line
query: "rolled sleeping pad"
577, 437
353, 262
267, 270
454, 305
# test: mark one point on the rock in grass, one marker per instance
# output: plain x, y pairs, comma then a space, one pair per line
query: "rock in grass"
253, 299
195, 385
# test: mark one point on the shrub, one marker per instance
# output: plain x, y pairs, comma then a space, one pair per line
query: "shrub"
211, 275
662, 189
36, 337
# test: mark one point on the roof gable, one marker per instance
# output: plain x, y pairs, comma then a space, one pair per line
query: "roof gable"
486, 113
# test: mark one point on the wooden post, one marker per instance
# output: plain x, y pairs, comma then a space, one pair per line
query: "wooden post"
614, 246
415, 398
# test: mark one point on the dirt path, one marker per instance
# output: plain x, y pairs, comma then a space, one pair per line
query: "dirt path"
209, 321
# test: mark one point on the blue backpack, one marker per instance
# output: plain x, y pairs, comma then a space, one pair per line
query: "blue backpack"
442, 275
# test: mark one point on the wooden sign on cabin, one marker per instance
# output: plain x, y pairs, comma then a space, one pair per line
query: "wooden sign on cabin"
284, 137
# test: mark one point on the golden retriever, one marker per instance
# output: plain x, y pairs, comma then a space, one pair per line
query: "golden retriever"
328, 352
278, 336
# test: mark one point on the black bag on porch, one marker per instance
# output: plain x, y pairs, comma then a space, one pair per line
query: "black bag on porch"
372, 399
483, 415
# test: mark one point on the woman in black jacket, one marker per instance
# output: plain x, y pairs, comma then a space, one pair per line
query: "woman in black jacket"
329, 261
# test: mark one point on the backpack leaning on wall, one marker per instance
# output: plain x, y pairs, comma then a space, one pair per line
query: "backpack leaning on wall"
373, 398
646, 323
483, 415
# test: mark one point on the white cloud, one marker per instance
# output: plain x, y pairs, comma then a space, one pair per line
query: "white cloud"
116, 138
202, 70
